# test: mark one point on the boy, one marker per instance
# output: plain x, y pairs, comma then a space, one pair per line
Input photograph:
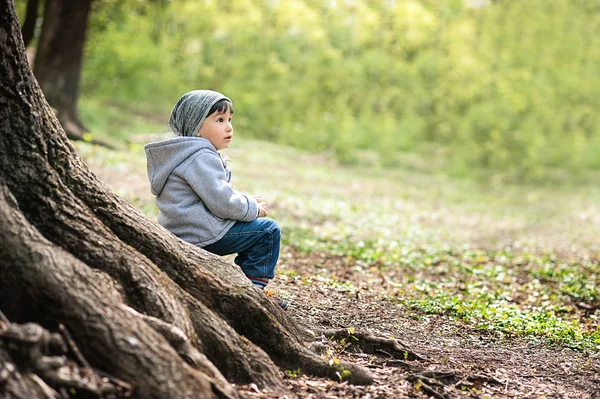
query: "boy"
192, 184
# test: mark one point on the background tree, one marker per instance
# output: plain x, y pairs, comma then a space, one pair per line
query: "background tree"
74, 253
31, 16
59, 59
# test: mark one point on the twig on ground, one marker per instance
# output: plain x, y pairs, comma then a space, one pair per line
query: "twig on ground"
73, 347
4, 318
432, 379
485, 378
383, 352
400, 363
430, 390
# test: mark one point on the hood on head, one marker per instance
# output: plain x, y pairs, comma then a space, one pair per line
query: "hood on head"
191, 110
164, 156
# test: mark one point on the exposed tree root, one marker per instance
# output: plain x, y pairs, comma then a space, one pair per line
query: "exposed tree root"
182, 345
440, 384
370, 343
71, 291
42, 354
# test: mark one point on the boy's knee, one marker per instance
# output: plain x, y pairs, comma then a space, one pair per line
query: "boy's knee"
274, 228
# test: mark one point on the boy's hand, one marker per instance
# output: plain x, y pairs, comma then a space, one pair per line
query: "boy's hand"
262, 206
263, 210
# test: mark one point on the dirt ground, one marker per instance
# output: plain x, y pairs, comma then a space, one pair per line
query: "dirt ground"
459, 361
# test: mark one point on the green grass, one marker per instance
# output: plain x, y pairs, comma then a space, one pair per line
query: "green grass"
533, 295
115, 125
519, 260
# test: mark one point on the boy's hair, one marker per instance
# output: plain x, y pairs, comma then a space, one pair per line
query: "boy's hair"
192, 108
221, 107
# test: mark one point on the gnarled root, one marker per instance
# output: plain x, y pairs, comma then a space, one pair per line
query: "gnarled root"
32, 348
370, 343
182, 345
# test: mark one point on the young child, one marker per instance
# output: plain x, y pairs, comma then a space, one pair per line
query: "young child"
192, 184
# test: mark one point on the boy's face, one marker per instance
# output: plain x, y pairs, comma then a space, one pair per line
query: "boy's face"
217, 129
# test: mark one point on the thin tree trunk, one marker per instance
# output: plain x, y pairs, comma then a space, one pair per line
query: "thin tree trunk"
31, 16
58, 59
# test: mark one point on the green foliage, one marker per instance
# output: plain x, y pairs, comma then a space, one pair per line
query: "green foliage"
507, 88
293, 373
510, 87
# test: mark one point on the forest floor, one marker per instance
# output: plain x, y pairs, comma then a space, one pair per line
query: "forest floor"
496, 287
468, 362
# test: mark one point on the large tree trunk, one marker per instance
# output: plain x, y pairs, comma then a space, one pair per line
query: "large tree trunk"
72, 252
59, 58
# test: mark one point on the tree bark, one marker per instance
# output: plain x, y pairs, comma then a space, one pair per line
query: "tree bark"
73, 253
59, 58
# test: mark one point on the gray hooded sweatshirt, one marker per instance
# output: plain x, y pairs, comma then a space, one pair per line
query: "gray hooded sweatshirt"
193, 190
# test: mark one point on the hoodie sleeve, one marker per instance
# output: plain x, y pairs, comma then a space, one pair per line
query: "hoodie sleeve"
206, 175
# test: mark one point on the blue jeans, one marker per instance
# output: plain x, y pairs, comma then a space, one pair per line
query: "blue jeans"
256, 244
